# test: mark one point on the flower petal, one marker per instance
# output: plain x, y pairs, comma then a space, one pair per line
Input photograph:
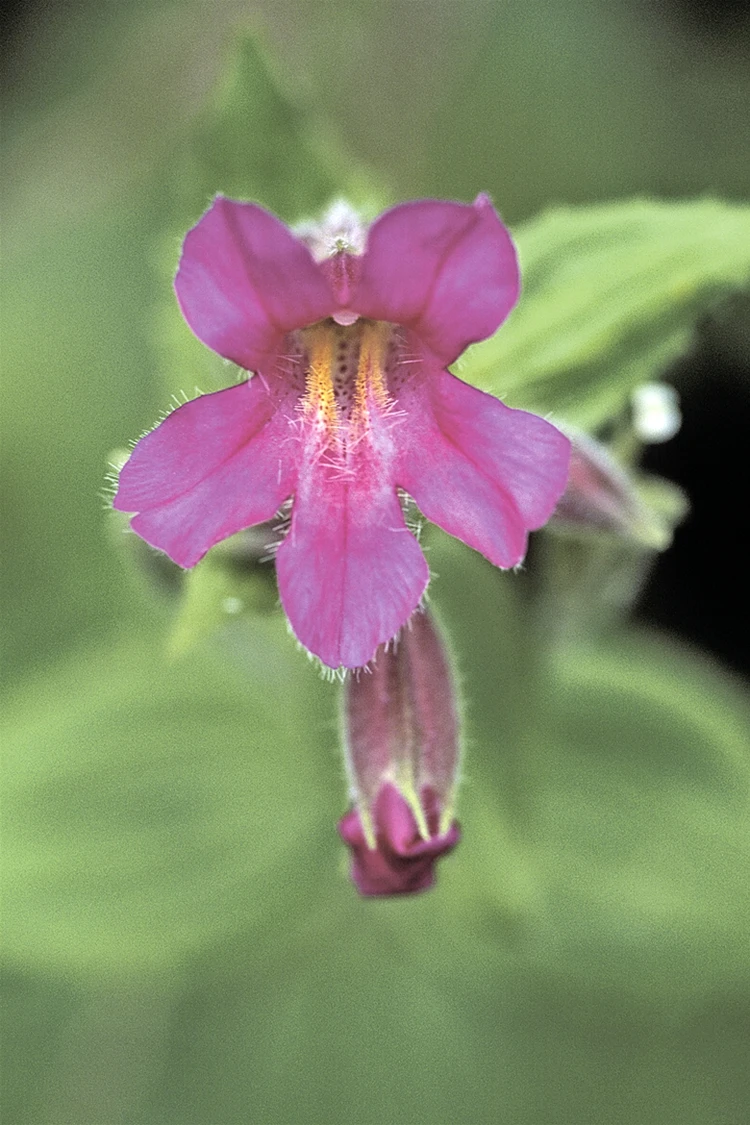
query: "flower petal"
481, 471
402, 862
210, 469
244, 280
350, 572
447, 270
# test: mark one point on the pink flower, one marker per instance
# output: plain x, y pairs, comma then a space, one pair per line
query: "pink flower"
402, 860
402, 758
351, 402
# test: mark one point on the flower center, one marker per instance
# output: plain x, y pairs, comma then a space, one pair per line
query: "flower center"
347, 375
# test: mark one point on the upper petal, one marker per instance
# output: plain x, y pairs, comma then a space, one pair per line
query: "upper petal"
350, 572
447, 270
481, 471
216, 465
244, 280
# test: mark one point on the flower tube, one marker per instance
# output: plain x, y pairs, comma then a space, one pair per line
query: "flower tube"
402, 755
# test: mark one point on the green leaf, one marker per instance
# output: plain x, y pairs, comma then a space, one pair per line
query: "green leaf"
611, 296
641, 800
587, 963
151, 807
218, 589
607, 797
584, 955
254, 141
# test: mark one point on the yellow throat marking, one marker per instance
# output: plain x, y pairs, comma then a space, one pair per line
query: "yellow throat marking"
368, 388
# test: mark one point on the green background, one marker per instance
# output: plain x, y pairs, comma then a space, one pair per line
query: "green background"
181, 942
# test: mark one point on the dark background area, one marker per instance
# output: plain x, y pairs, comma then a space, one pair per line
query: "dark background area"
699, 588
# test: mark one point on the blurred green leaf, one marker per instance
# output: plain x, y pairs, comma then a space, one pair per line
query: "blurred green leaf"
587, 964
611, 296
583, 957
253, 140
152, 807
608, 795
642, 796
221, 587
